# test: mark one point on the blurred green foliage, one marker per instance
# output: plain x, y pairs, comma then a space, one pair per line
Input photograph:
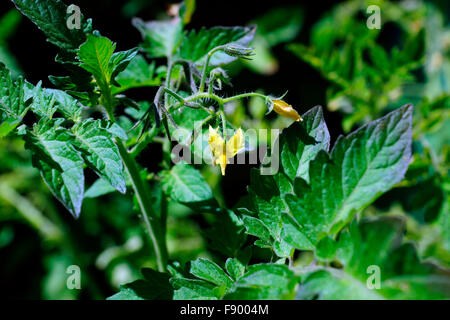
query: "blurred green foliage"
369, 74
8, 24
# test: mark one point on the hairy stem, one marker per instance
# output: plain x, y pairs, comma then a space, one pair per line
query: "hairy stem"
205, 67
151, 220
244, 95
212, 96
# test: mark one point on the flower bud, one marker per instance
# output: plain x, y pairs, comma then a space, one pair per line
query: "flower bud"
238, 51
286, 110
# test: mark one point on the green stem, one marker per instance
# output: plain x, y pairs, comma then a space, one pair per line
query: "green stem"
30, 213
168, 78
220, 101
151, 220
197, 129
167, 83
173, 94
224, 121
148, 138
205, 67
244, 95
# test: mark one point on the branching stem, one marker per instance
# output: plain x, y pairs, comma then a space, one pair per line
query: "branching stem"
205, 67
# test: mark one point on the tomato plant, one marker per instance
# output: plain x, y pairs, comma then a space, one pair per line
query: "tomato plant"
317, 219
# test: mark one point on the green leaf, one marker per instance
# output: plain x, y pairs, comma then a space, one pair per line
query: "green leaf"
266, 192
43, 103
256, 228
99, 188
280, 25
276, 26
218, 235
292, 233
269, 213
95, 56
66, 104
120, 61
186, 185
60, 164
264, 62
371, 249
267, 229
100, 152
8, 125
264, 281
208, 288
209, 271
187, 8
379, 58
156, 286
51, 18
8, 24
137, 74
79, 85
161, 38
13, 102
98, 58
361, 166
47, 101
189, 289
196, 45
326, 249
301, 142
235, 268
116, 130
323, 285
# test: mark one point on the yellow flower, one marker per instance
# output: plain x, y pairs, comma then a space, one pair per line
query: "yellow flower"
285, 110
222, 151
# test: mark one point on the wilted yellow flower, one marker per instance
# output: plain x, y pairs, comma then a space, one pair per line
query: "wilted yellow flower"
222, 151
285, 110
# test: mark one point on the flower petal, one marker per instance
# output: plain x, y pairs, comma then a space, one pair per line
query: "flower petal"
235, 144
